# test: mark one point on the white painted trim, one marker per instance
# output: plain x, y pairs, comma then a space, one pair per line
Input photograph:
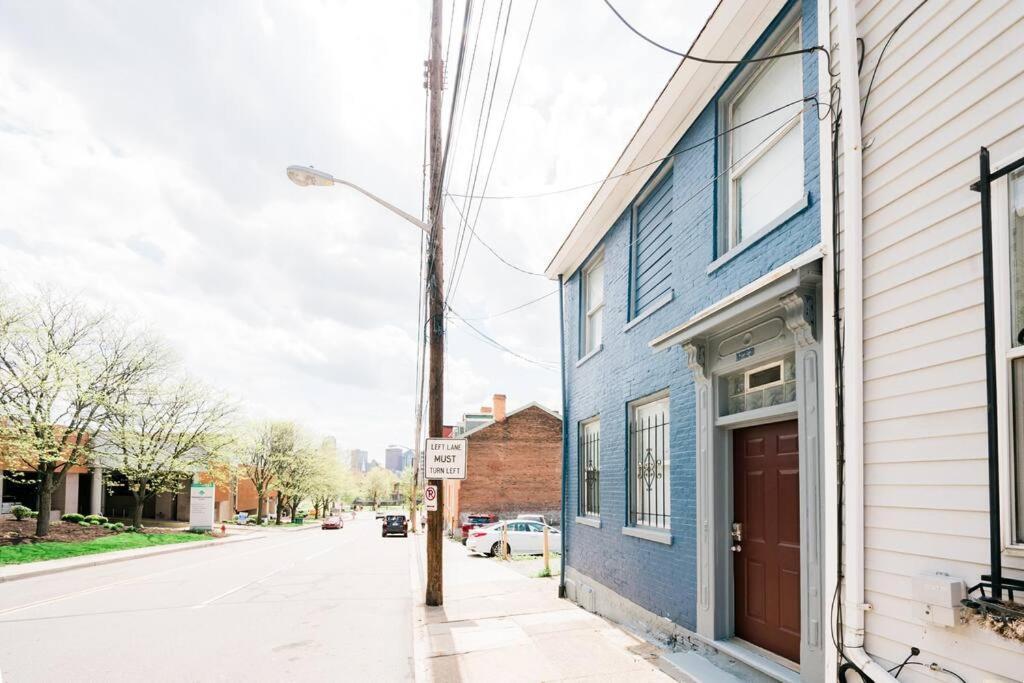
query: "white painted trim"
589, 521
654, 306
749, 418
590, 355
648, 534
783, 218
676, 334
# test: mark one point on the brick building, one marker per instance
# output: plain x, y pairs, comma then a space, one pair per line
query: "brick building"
514, 465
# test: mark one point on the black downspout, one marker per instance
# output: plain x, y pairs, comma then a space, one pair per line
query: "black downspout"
565, 438
994, 524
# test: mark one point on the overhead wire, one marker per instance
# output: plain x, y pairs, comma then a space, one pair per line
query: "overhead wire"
709, 60
635, 169
480, 140
544, 364
501, 128
515, 308
881, 55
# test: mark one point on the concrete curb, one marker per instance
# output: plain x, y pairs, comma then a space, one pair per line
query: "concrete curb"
33, 570
420, 636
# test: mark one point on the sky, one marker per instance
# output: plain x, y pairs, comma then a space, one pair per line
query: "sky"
142, 157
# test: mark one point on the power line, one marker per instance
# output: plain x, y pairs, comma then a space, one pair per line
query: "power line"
489, 247
545, 364
697, 145
504, 120
480, 138
516, 308
708, 60
881, 55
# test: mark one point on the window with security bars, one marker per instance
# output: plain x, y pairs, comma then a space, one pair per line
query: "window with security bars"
590, 468
649, 494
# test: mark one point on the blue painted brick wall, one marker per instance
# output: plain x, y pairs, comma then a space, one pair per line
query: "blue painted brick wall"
659, 577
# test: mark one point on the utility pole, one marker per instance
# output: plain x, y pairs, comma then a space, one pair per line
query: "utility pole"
435, 302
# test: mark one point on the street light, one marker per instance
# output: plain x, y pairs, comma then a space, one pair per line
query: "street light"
306, 176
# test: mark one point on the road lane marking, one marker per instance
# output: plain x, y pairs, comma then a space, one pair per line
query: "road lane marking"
240, 587
135, 579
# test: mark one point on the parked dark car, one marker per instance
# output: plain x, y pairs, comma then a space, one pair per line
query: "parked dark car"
477, 520
332, 522
394, 525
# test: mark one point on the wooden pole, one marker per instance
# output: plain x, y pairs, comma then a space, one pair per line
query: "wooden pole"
435, 305
504, 542
547, 554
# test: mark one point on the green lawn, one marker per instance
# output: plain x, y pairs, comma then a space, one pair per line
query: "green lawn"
55, 550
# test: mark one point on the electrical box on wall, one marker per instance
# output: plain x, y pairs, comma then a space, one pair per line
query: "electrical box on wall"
937, 598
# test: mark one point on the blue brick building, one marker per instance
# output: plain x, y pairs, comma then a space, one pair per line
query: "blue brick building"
691, 348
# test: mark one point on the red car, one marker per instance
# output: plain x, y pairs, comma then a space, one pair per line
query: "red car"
332, 522
474, 521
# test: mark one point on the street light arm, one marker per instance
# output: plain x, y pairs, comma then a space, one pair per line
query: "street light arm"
387, 205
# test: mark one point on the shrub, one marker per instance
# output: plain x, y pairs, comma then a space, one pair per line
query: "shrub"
72, 517
99, 519
21, 512
94, 522
32, 514
86, 524
108, 526
118, 526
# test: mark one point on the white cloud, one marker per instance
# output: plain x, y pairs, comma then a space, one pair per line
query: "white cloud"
142, 150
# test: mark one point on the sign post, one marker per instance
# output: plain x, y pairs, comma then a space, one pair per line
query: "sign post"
430, 498
201, 507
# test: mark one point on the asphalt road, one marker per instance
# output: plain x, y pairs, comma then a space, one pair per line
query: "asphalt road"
307, 605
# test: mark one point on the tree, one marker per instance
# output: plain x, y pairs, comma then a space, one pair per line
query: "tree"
162, 433
296, 470
377, 484
256, 461
62, 367
410, 489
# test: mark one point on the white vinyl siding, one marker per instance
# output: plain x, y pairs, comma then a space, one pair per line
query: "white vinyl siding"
952, 80
765, 159
593, 306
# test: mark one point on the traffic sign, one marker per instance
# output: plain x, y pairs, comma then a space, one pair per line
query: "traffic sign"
446, 459
430, 497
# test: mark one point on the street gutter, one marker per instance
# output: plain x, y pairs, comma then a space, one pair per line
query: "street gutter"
46, 567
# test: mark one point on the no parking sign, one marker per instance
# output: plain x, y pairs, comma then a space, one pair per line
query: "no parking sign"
430, 498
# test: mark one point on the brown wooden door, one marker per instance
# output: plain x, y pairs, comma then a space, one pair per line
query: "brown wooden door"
766, 501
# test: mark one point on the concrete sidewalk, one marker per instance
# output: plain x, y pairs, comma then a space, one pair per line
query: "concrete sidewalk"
498, 625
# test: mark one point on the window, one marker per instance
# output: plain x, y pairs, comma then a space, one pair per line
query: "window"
589, 455
764, 159
649, 493
760, 387
593, 306
652, 230
1016, 352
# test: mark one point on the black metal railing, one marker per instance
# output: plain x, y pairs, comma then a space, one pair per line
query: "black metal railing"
649, 472
590, 473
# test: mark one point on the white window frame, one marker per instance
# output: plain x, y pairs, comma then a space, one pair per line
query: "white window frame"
753, 371
733, 174
591, 345
1006, 353
582, 507
632, 477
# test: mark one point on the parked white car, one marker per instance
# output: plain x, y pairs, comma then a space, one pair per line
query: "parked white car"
524, 538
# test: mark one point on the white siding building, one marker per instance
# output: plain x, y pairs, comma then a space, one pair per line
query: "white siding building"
950, 82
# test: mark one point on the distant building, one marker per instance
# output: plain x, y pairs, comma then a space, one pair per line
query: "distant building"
356, 459
514, 466
397, 458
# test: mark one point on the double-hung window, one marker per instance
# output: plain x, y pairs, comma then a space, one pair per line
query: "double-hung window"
589, 454
649, 485
764, 159
593, 305
1015, 355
